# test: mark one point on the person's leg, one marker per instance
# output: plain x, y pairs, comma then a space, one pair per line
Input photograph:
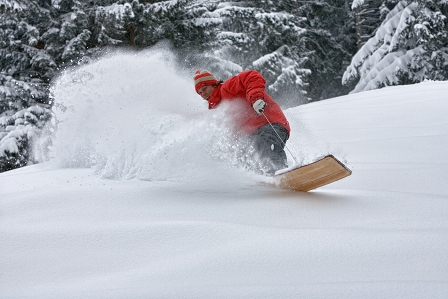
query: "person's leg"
269, 142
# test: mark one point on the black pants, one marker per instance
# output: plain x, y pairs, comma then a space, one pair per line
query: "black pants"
264, 150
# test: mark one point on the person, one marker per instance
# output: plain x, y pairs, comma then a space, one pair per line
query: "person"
258, 117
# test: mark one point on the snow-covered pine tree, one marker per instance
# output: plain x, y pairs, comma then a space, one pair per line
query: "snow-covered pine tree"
116, 23
302, 48
409, 47
253, 35
367, 19
145, 23
36, 38
185, 23
328, 43
74, 32
25, 69
161, 20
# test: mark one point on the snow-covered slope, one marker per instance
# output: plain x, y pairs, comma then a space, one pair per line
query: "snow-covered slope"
166, 217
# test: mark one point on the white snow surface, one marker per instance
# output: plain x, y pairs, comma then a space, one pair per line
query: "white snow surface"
165, 214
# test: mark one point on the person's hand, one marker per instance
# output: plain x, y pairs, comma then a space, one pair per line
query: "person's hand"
259, 106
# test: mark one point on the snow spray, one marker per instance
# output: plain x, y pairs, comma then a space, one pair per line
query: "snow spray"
133, 115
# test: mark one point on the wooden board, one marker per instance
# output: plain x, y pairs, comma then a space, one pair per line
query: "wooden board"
317, 174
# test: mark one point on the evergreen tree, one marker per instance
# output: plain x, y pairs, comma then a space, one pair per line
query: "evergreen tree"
328, 43
37, 38
25, 73
184, 23
252, 35
367, 19
409, 47
302, 48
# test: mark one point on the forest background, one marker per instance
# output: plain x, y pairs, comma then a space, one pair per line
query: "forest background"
307, 50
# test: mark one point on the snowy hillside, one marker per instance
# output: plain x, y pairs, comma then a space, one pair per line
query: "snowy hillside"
164, 214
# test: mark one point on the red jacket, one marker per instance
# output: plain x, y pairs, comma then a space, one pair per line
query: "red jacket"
246, 88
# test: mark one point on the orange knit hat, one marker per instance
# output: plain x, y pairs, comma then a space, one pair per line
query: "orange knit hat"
202, 78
